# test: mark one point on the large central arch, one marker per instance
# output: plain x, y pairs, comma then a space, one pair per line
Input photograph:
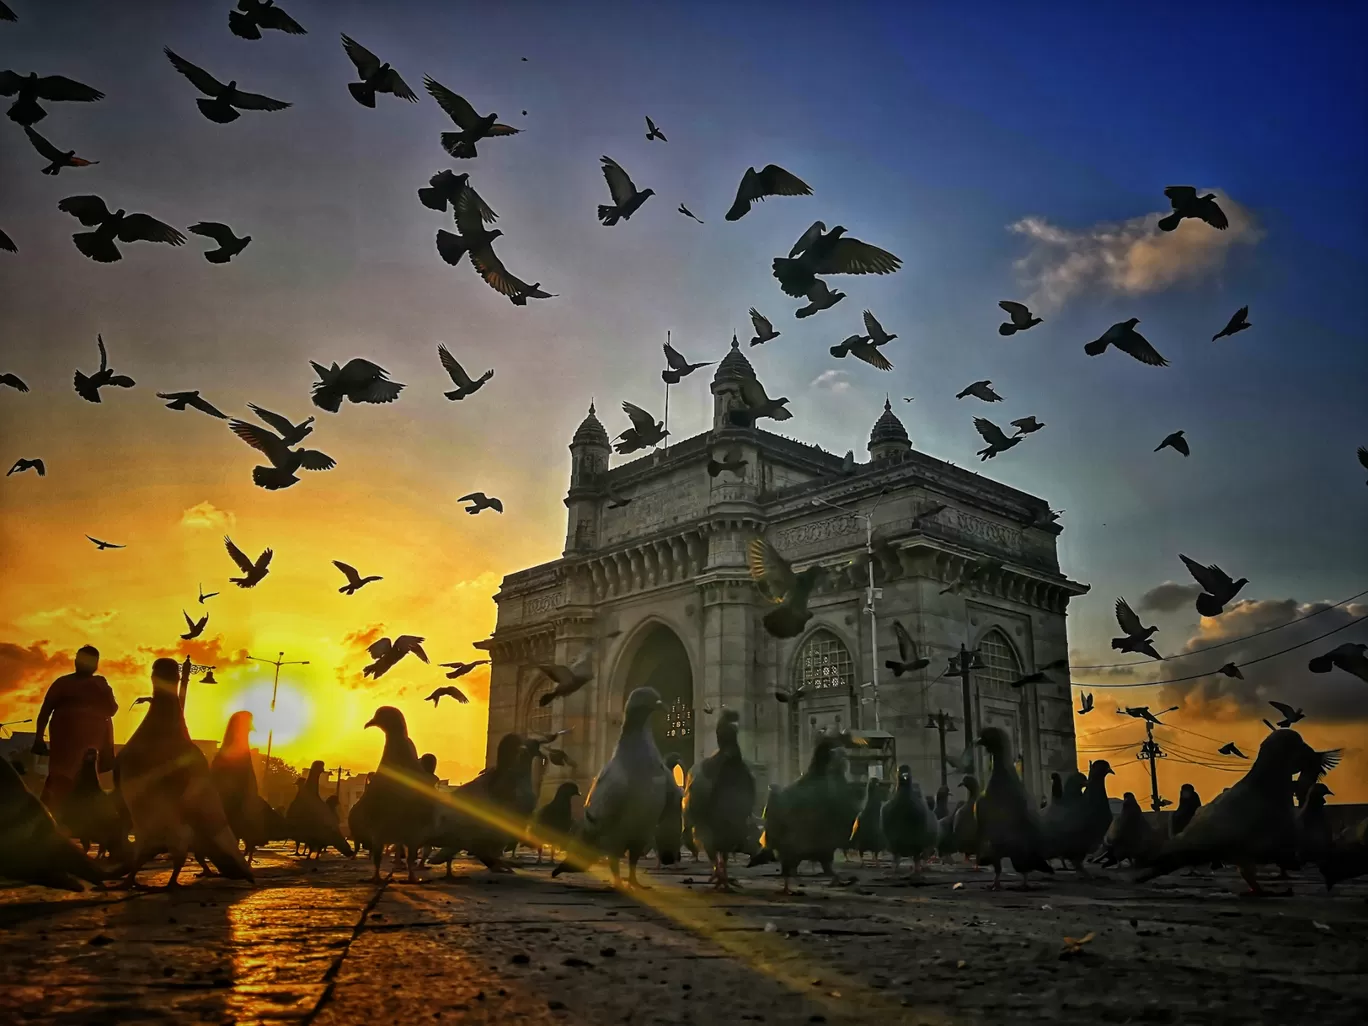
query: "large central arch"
658, 659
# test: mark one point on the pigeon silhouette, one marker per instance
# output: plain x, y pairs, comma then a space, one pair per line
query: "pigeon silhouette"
445, 187
788, 590
1230, 670
820, 297
910, 827
1027, 425
229, 245
626, 199
360, 381
1124, 337
818, 251
7, 244
13, 381
254, 16
689, 213
465, 384
1289, 714
194, 628
719, 798
473, 127
1189, 801
877, 335
1085, 704
567, 679
386, 653
1007, 821
285, 461
862, 348
732, 461
1020, 318
1229, 748
1218, 589
1137, 637
759, 404
479, 501
311, 822
29, 89
1176, 441
249, 816
1075, 825
1186, 203
375, 77
478, 241
644, 433
981, 390
449, 691
290, 432
679, 367
868, 837
393, 809
652, 132
1041, 675
57, 159
191, 400
459, 670
6, 14
764, 330
102, 545
120, 226
994, 436
205, 594
21, 465
93, 816
1351, 657
220, 103
88, 387
354, 580
252, 571
32, 848
909, 659
1238, 322
771, 180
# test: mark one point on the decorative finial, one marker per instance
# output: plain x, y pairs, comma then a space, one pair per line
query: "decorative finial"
591, 406
735, 344
887, 407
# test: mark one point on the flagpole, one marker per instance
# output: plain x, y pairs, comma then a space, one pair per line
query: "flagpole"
667, 396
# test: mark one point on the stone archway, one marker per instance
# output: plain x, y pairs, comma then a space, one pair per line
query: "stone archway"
660, 660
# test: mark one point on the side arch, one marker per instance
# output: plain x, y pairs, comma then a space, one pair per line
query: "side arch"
656, 656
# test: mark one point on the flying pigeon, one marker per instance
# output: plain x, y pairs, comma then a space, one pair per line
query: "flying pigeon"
7, 244
568, 679
182, 400
689, 213
220, 103
616, 500
477, 240
480, 501
252, 572
981, 390
994, 436
1230, 670
929, 513
652, 132
1085, 703
229, 245
450, 691
194, 628
732, 461
21, 465
1176, 441
1238, 322
788, 590
387, 653
119, 226
877, 335
1186, 203
1007, 821
32, 848
88, 386
6, 14
31, 88
1027, 425
1043, 517
679, 367
1124, 336
1351, 657
626, 198
459, 670
818, 251
1041, 675
1229, 748
759, 404
909, 659
1137, 637
1020, 318
645, 431
290, 433
473, 127
719, 798
820, 297
13, 381
57, 159
285, 462
354, 579
465, 384
971, 572
205, 594
773, 180
862, 348
524, 292
102, 545
1218, 589
764, 330
252, 16
445, 187
375, 77
360, 381
1289, 715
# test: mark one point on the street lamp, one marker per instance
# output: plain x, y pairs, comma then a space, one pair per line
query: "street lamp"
871, 593
277, 662
945, 724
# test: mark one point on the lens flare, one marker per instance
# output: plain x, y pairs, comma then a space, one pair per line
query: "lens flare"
290, 719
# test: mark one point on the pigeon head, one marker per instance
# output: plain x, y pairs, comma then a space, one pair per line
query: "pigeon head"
641, 703
510, 747
1315, 796
389, 719
567, 789
904, 774
647, 192
672, 760
1187, 789
165, 674
1132, 322
836, 232
1099, 770
428, 762
494, 235
995, 741
239, 728
970, 783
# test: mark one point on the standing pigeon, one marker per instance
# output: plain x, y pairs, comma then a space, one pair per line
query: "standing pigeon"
1074, 826
193, 400
31, 88
465, 384
1129, 837
13, 381
1176, 441
1238, 322
164, 781
360, 381
553, 822
375, 77
645, 431
679, 367
626, 198
1027, 425
787, 589
231, 770
669, 833
473, 127
57, 159
311, 822
220, 102
1137, 637
119, 226
445, 187
1218, 589
393, 807
1020, 318
981, 390
910, 827
772, 180
252, 572
862, 348
91, 815
719, 797
194, 628
994, 436
386, 653
625, 802
1314, 834
909, 659
568, 679
480, 501
88, 387
285, 462
868, 835
1124, 337
764, 330
229, 245
1007, 821
252, 16
964, 825
820, 297
818, 251
354, 579
1186, 203
1189, 801
32, 848
1351, 657
21, 465
759, 404
652, 132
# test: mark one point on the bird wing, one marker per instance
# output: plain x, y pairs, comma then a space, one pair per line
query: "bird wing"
352, 576
1240, 315
1126, 618
200, 403
651, 125
488, 265
1180, 194
7, 244
761, 322
773, 180
872, 325
59, 87
380, 392
44, 148
1363, 455
456, 107
620, 186
806, 240
367, 64
476, 497
1209, 577
1015, 309
274, 419
455, 693
641, 420
770, 568
453, 368
199, 78
394, 83
215, 230
753, 393
851, 256
870, 355
104, 356
260, 439
992, 434
275, 18
1215, 216
410, 643
380, 648
256, 101
1135, 344
1024, 422
312, 459
1286, 710
674, 359
146, 228
907, 647
470, 212
239, 557
89, 210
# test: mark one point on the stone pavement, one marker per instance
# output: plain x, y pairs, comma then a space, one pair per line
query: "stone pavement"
316, 944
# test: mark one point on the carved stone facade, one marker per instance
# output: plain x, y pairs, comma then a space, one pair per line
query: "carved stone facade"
654, 584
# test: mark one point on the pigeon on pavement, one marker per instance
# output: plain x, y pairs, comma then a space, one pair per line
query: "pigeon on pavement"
1007, 820
32, 848
910, 827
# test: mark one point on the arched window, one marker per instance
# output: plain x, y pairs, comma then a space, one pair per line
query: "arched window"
537, 717
824, 662
1001, 667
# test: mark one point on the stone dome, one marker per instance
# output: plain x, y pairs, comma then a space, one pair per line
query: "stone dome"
889, 437
590, 431
734, 366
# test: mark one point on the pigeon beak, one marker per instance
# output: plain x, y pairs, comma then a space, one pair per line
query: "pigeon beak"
372, 722
978, 740
1329, 793
1109, 772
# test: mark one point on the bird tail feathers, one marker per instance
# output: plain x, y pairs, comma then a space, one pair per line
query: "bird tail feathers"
451, 247
1096, 347
1006, 329
1167, 224
362, 93
458, 146
714, 468
608, 214
217, 256
272, 478
97, 247
221, 849
217, 111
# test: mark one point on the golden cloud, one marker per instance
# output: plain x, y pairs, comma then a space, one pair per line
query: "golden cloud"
207, 515
68, 616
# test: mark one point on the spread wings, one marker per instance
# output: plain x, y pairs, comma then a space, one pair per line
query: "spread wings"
145, 228
770, 568
851, 256
89, 210
367, 64
456, 107
992, 434
1126, 618
240, 557
452, 367
620, 186
199, 78
641, 420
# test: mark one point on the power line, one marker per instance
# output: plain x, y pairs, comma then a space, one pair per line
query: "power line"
1209, 673
1232, 641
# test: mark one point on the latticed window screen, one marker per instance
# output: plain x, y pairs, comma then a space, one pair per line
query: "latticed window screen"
824, 663
538, 718
1001, 666
679, 719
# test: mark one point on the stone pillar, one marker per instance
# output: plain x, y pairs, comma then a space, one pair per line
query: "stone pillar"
503, 698
726, 675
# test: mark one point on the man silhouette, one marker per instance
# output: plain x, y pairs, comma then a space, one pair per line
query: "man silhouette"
78, 712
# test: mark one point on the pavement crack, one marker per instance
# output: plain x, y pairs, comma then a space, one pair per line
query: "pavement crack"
330, 975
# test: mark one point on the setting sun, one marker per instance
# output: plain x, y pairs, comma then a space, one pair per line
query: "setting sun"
292, 716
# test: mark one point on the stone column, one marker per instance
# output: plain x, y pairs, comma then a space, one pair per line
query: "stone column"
503, 698
726, 676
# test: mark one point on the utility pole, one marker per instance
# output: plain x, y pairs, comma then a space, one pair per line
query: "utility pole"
871, 594
277, 662
339, 771
187, 668
943, 723
1150, 750
962, 665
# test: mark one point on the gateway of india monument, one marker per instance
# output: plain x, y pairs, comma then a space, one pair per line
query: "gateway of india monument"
654, 586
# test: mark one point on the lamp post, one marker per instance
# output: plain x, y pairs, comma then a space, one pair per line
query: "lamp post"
277, 662
11, 723
944, 723
871, 593
962, 665
188, 667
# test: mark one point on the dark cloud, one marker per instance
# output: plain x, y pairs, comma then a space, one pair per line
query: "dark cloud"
1168, 597
32, 667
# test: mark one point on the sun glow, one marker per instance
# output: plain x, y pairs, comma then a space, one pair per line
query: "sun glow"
293, 711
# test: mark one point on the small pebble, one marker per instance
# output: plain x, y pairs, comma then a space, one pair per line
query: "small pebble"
100, 940
607, 952
521, 958
576, 963
556, 1006
479, 995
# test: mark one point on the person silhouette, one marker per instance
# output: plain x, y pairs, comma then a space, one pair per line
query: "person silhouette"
78, 714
